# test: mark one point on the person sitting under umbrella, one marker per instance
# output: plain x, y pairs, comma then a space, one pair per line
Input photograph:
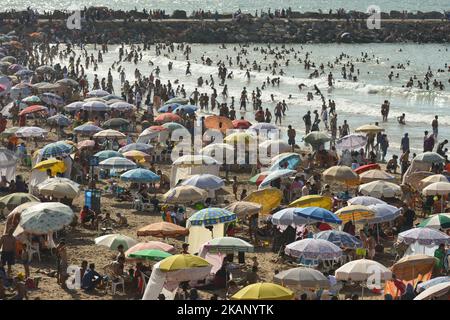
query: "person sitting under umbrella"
91, 279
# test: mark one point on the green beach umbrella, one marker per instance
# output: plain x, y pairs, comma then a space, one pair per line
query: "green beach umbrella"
437, 221
149, 254
13, 200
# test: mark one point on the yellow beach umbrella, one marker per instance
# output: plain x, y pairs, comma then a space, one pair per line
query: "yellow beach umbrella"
369, 128
355, 213
182, 261
53, 164
136, 155
269, 199
264, 291
313, 201
341, 174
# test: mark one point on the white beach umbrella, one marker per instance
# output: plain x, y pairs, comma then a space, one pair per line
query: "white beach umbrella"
302, 278
436, 291
109, 133
46, 217
424, 236
380, 189
316, 249
112, 241
437, 189
365, 201
29, 132
432, 179
361, 270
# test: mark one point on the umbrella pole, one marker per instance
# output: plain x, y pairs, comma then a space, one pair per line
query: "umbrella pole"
362, 291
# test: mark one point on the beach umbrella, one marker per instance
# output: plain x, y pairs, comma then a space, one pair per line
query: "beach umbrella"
121, 106
150, 245
115, 123
437, 189
96, 99
167, 117
31, 100
185, 194
59, 190
13, 200
367, 167
97, 93
369, 128
45, 69
316, 214
263, 291
435, 291
241, 124
410, 267
275, 146
278, 174
85, 144
316, 249
68, 82
316, 138
313, 201
14, 68
24, 73
186, 109
55, 166
375, 175
117, 163
429, 157
150, 254
162, 230
287, 217
57, 149
13, 218
168, 107
239, 137
112, 241
339, 238
95, 106
259, 177
437, 221
74, 106
211, 216
7, 158
432, 282
262, 126
355, 213
424, 236
177, 100
228, 245
52, 99
140, 175
147, 148
172, 126
362, 270
218, 123
380, 189
342, 174
137, 156
106, 154
302, 278
46, 217
9, 132
57, 180
243, 208
384, 213
196, 159
269, 199
290, 158
110, 97
60, 120
365, 201
109, 133
182, 261
87, 129
204, 181
217, 148
29, 132
432, 179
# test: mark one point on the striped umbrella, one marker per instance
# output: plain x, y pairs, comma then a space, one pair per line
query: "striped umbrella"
52, 99
211, 216
437, 221
95, 106
339, 238
117, 163
317, 214
228, 245
355, 213
56, 149
106, 154
87, 129
316, 249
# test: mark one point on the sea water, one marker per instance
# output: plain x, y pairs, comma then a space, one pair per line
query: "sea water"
357, 102
232, 5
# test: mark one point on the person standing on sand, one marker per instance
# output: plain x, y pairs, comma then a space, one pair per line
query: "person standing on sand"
291, 137
8, 246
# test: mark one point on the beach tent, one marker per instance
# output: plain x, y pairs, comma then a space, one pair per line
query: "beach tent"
188, 165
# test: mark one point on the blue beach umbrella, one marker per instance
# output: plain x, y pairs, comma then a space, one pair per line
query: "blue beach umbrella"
339, 238
117, 163
87, 129
274, 175
187, 109
140, 175
204, 181
211, 216
317, 214
147, 148
106, 154
56, 149
165, 108
279, 161
432, 282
